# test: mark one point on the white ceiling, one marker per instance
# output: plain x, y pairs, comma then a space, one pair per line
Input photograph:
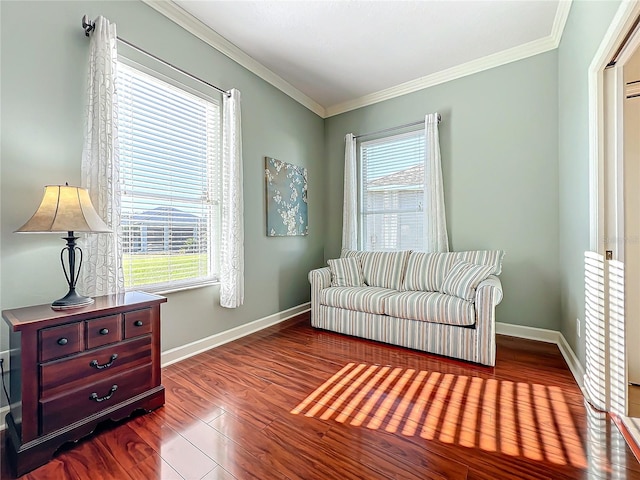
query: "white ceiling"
344, 54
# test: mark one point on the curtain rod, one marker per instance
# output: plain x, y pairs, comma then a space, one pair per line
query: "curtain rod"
406, 125
89, 26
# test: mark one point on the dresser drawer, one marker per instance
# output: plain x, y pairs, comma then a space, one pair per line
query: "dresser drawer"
70, 373
56, 342
65, 369
103, 330
137, 323
63, 410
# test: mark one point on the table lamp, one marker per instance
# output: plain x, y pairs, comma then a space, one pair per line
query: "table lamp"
67, 209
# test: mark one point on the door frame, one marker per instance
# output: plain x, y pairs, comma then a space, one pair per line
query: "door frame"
600, 159
606, 174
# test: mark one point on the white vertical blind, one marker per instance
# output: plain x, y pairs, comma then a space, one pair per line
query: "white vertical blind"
169, 143
392, 192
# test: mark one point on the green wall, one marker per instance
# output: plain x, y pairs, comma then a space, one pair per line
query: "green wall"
583, 33
498, 139
43, 61
514, 143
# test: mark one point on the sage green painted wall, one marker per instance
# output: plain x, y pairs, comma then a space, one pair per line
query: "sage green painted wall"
43, 60
514, 143
499, 148
587, 23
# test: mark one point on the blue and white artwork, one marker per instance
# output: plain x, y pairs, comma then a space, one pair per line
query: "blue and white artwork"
286, 199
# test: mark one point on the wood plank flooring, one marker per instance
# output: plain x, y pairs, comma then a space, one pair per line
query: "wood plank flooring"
292, 402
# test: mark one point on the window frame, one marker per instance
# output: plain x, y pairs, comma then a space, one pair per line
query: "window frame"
186, 84
420, 133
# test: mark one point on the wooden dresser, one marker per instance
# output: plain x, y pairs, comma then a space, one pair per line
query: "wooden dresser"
70, 370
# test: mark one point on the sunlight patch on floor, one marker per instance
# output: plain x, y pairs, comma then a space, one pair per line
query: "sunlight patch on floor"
514, 418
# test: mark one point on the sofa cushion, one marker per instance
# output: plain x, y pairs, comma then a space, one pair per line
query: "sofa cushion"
431, 307
361, 299
426, 271
381, 269
346, 272
463, 279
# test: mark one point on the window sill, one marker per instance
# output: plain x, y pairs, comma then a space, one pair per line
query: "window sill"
163, 290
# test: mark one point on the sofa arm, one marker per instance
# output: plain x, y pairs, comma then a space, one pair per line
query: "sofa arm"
488, 295
491, 282
319, 279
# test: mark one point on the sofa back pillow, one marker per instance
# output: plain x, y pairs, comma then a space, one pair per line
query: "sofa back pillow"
491, 258
384, 269
381, 269
463, 278
426, 271
346, 272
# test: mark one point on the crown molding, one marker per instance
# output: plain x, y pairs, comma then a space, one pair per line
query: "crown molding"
562, 14
520, 52
475, 66
194, 26
187, 21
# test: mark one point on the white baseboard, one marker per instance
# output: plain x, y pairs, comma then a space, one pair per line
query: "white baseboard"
181, 353
572, 360
548, 336
530, 333
185, 351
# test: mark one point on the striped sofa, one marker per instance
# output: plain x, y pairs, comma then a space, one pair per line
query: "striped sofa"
442, 303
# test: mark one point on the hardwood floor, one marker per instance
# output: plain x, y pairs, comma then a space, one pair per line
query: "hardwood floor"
292, 402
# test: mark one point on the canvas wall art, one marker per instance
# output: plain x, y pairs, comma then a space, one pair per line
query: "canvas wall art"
286, 186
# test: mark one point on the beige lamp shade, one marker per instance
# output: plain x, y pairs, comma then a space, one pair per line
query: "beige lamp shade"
65, 209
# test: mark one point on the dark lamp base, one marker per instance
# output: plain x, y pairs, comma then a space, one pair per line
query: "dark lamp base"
71, 300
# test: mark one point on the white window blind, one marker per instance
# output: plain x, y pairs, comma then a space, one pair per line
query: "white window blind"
169, 143
392, 192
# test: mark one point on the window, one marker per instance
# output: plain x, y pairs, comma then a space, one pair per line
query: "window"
392, 192
169, 143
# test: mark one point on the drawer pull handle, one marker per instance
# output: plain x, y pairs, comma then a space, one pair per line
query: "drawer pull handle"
95, 364
62, 341
138, 323
104, 331
94, 395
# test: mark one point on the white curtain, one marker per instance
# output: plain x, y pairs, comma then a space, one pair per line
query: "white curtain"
101, 272
232, 241
350, 206
437, 239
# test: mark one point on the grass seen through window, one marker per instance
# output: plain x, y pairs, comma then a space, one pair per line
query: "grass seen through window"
145, 269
